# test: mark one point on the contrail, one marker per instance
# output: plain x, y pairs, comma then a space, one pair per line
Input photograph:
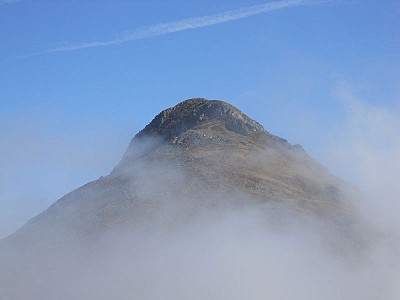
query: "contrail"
3, 2
185, 24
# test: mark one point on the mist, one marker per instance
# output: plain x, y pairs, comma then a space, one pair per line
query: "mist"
41, 161
363, 150
231, 247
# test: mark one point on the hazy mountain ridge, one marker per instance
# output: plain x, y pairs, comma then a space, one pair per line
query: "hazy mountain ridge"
201, 173
197, 146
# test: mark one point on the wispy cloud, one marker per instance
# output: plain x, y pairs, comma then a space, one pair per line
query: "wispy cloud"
3, 2
186, 24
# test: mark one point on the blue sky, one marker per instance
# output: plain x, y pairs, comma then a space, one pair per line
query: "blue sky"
80, 78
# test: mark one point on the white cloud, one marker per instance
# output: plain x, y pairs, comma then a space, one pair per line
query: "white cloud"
363, 148
39, 162
2, 2
187, 24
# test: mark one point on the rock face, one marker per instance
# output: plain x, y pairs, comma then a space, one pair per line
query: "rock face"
174, 121
199, 155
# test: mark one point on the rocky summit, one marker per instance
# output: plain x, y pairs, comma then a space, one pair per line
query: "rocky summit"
174, 121
220, 146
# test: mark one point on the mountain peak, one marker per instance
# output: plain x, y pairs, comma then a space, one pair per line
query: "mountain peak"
200, 123
204, 153
195, 112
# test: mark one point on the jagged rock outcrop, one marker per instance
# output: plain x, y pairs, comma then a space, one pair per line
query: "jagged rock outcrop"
174, 121
199, 121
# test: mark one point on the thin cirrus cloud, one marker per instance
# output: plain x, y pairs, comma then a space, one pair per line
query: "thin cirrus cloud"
3, 2
186, 24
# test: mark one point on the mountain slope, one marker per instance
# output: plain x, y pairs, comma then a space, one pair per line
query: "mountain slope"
202, 182
195, 155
